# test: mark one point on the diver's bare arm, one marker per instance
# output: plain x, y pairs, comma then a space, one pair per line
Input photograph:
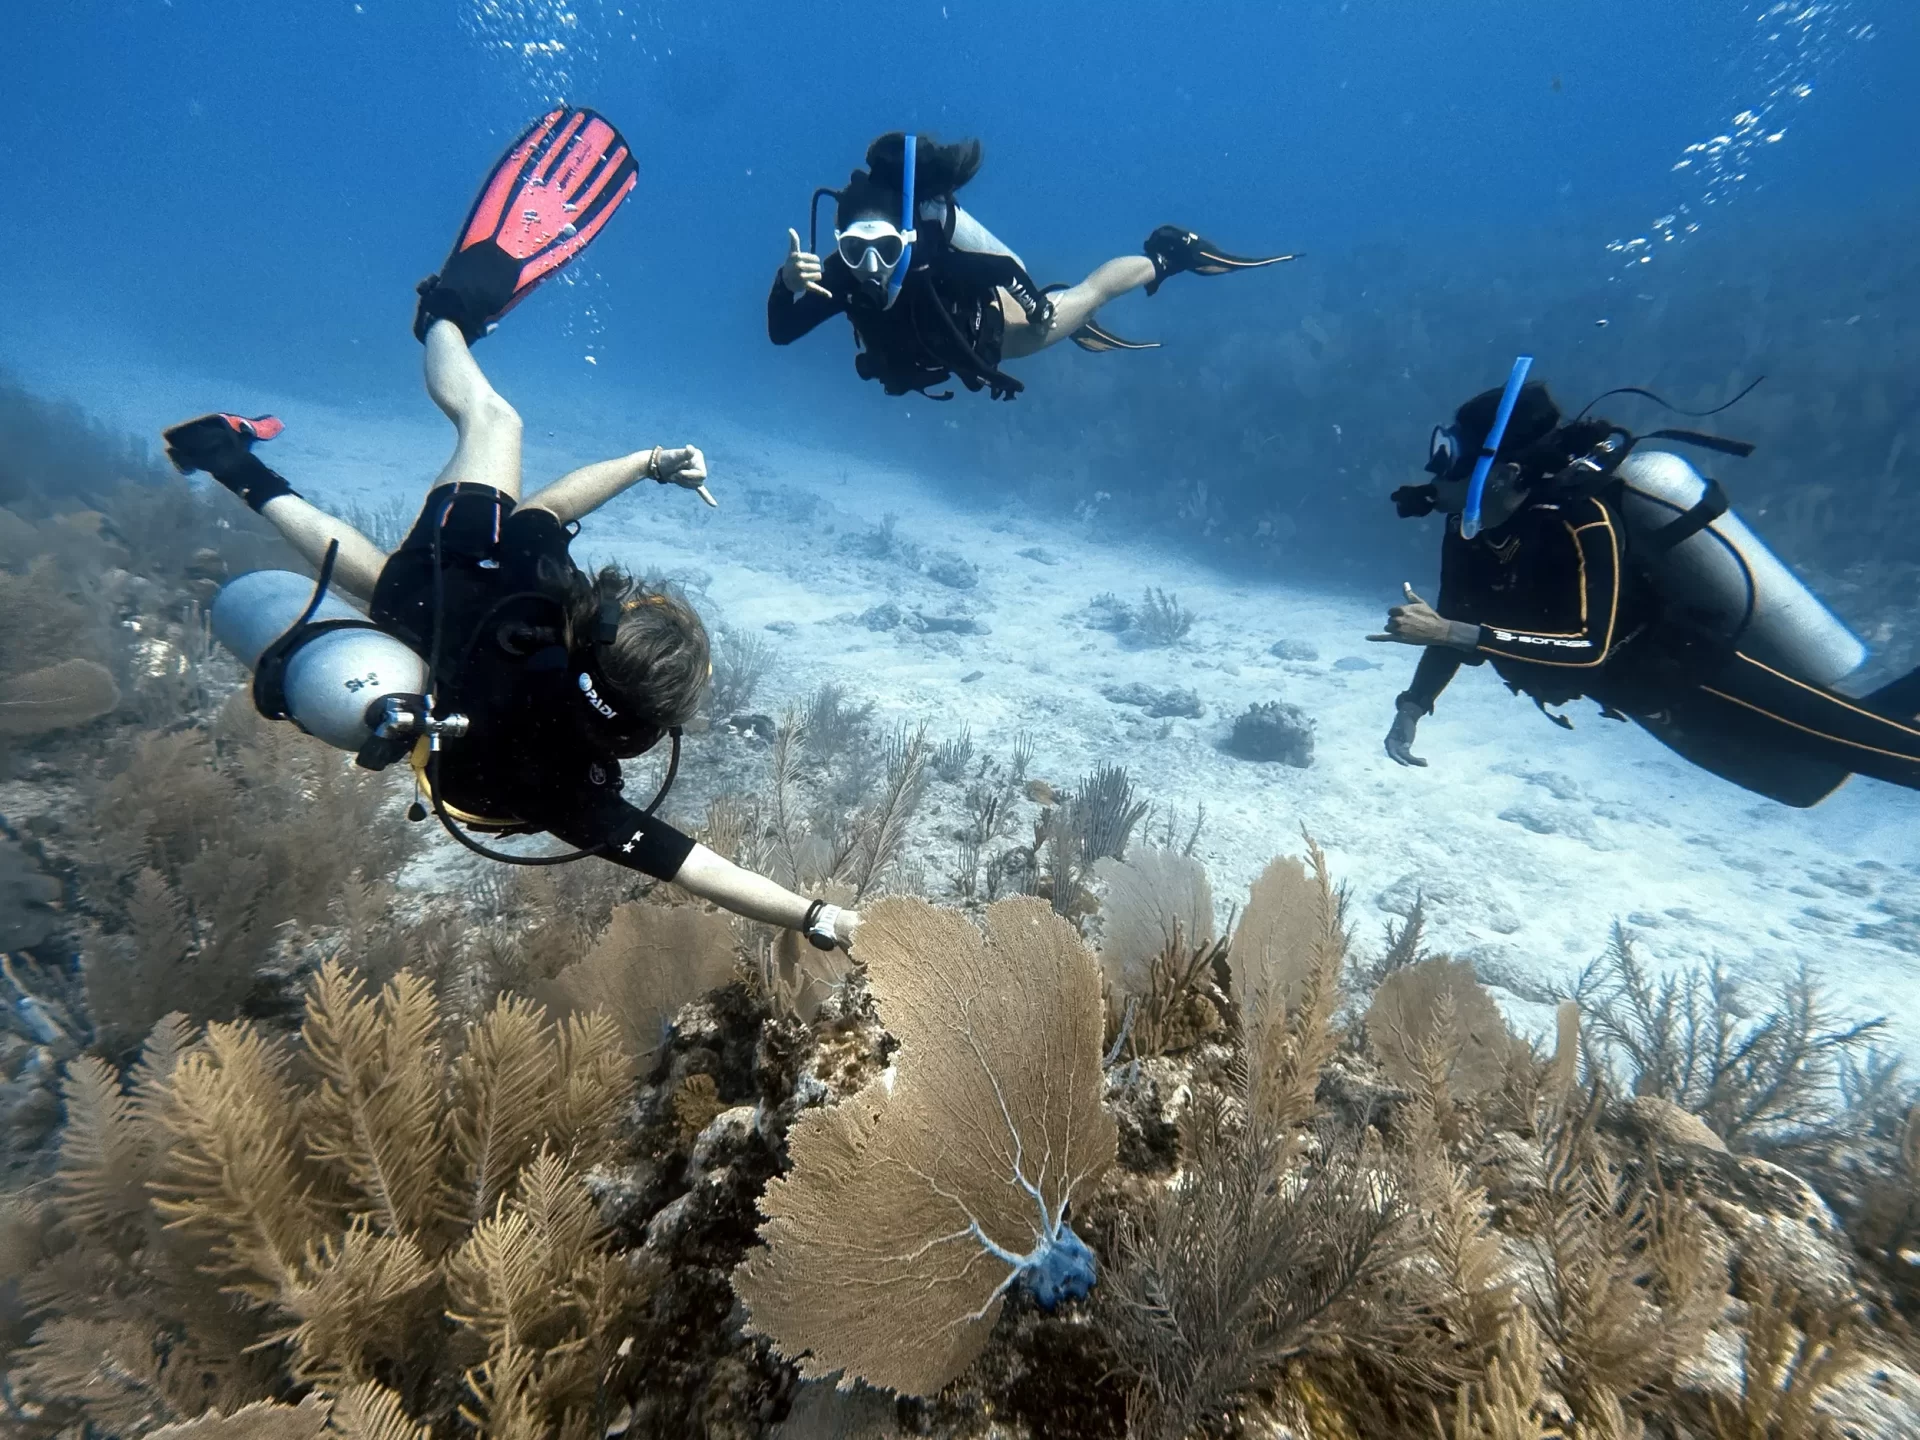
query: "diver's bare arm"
310, 529
585, 490
714, 878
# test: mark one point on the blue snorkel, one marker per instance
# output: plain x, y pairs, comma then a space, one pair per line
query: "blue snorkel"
1470, 517
907, 231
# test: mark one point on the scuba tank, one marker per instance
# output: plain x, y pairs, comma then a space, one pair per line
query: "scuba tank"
315, 659
323, 665
1722, 575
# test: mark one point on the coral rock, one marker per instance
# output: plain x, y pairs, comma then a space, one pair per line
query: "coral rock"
1274, 731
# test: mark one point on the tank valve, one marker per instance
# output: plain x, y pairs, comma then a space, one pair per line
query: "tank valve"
398, 721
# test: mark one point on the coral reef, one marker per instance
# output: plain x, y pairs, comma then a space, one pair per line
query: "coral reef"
569, 1155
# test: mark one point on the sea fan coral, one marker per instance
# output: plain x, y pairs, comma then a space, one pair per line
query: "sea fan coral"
913, 1207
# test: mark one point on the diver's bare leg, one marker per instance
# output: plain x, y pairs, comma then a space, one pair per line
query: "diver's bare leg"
488, 450
1072, 308
310, 530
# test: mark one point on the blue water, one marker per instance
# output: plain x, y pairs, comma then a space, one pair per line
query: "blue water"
247, 190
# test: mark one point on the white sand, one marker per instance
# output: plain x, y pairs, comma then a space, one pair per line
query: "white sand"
1529, 841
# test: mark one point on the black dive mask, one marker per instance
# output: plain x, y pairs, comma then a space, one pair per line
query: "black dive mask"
1443, 457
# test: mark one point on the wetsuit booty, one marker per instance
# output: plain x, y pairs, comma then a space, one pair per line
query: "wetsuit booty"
474, 290
222, 446
1179, 252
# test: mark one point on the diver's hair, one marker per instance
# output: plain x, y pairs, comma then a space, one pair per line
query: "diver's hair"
1536, 441
1535, 417
659, 658
938, 170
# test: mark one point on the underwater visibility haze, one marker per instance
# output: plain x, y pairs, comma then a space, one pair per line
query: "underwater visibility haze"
1053, 798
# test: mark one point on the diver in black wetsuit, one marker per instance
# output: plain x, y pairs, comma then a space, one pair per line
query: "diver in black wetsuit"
555, 676
1569, 593
934, 295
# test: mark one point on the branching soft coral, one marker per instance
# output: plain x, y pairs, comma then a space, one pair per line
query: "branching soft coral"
363, 1209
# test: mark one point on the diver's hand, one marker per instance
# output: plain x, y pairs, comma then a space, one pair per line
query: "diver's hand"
216, 443
801, 270
1418, 623
844, 924
1406, 720
685, 467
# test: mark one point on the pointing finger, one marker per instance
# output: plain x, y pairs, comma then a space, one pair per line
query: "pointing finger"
1383, 637
819, 289
704, 494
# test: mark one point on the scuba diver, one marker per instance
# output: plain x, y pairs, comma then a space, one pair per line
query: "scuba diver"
932, 294
514, 682
1581, 566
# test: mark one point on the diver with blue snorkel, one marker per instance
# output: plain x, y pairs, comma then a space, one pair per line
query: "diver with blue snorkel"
1578, 564
933, 295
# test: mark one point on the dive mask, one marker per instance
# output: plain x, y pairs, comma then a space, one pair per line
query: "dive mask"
1443, 451
871, 248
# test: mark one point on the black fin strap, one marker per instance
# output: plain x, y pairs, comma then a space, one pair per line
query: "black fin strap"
1738, 448
1707, 509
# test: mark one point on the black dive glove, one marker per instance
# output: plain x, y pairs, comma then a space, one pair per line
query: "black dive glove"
1406, 719
222, 445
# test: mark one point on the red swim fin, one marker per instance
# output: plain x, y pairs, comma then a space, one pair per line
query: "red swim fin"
551, 193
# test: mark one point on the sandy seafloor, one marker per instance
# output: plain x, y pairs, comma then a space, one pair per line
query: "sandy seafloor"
1527, 840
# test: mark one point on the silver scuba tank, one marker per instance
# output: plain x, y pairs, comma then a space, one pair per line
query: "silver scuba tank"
1727, 574
331, 679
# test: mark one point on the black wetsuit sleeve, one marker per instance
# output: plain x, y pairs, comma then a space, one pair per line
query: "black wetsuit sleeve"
1437, 667
1590, 579
624, 834
790, 316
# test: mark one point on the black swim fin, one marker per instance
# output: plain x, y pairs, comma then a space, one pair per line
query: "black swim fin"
548, 196
1175, 252
1097, 339
1094, 338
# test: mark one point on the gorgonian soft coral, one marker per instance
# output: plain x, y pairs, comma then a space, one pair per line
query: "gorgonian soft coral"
913, 1207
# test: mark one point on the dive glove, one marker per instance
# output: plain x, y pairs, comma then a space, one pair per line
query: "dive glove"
222, 445
1406, 720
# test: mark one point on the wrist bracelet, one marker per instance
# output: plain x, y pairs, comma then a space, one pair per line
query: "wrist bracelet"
653, 464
